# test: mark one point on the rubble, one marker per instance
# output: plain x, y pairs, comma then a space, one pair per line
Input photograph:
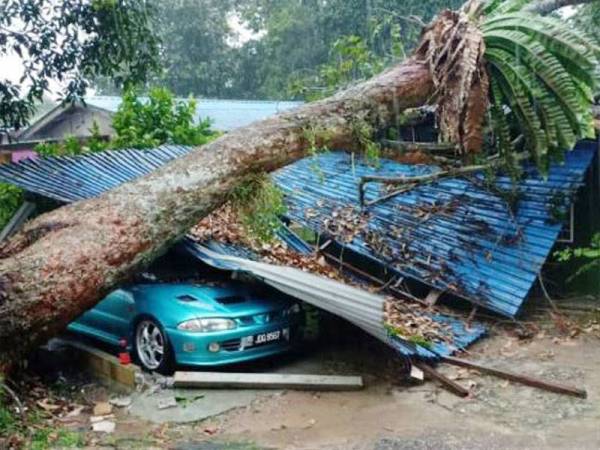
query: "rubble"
102, 409
121, 402
104, 426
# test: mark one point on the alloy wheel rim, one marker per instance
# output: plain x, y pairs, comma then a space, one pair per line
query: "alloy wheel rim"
150, 344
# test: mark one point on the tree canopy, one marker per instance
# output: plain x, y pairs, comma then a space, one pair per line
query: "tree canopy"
71, 42
204, 54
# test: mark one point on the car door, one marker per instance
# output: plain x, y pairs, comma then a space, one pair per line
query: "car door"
96, 322
117, 311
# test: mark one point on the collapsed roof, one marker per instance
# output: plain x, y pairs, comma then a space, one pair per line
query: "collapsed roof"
484, 243
453, 235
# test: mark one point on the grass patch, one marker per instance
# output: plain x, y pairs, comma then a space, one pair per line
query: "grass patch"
33, 433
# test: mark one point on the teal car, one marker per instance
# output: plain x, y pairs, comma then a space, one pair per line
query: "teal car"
168, 324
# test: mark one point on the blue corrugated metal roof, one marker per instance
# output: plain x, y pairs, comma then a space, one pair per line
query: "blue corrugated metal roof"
455, 235
472, 246
225, 115
72, 178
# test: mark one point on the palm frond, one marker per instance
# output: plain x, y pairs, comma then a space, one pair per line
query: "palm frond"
494, 7
544, 73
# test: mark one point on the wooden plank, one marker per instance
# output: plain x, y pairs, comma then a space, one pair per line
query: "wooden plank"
105, 365
225, 380
523, 379
446, 382
404, 146
432, 297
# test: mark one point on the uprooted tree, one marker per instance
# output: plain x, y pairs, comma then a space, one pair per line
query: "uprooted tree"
541, 79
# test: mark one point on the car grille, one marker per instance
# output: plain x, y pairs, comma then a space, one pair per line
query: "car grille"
232, 345
260, 319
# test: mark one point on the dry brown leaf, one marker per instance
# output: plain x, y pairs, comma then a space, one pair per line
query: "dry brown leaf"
47, 406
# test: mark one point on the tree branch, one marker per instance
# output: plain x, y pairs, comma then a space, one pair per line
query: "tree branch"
409, 183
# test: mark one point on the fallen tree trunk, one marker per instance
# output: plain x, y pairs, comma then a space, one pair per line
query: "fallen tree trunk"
65, 261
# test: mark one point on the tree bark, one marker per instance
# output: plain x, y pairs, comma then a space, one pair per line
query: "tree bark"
65, 261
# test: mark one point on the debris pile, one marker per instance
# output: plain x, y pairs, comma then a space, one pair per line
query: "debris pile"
404, 319
223, 226
345, 222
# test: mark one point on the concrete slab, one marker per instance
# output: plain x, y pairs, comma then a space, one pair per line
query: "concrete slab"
193, 405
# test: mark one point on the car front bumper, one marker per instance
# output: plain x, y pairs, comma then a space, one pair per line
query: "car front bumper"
191, 349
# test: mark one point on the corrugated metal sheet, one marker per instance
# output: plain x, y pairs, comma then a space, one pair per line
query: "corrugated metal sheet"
358, 306
455, 235
225, 115
72, 178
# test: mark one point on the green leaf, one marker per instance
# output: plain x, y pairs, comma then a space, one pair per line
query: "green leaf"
559, 132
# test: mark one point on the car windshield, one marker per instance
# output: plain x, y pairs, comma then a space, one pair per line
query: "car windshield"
176, 268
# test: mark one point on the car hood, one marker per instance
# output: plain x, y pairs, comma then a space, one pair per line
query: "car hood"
175, 302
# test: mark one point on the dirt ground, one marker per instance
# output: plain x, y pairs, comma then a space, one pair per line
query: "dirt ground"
392, 413
388, 415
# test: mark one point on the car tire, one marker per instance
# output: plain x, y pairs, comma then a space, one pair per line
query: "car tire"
151, 347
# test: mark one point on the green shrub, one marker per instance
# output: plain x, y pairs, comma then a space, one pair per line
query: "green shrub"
159, 120
589, 257
11, 198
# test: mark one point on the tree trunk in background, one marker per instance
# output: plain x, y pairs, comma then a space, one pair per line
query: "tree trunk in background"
65, 261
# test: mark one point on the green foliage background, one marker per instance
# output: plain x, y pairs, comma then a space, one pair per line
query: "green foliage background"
157, 120
72, 42
294, 40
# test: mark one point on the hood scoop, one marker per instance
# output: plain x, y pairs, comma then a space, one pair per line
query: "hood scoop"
185, 298
231, 299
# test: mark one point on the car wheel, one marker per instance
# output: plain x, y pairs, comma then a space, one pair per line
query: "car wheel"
152, 348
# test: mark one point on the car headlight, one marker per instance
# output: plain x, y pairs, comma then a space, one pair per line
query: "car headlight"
207, 325
294, 309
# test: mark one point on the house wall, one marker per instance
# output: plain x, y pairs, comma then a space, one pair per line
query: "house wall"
19, 155
74, 121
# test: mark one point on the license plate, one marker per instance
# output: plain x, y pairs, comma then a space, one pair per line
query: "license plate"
263, 338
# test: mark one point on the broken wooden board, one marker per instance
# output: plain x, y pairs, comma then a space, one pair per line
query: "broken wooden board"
432, 297
220, 380
104, 365
518, 378
446, 382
